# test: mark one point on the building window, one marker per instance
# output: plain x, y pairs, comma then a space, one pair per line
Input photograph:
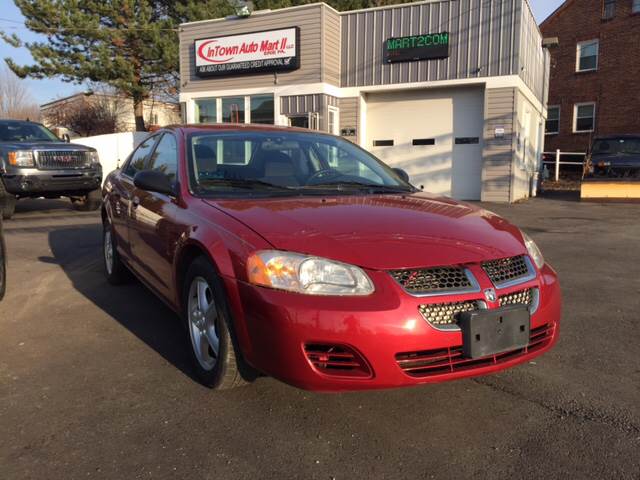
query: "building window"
584, 117
206, 110
635, 7
333, 123
233, 110
587, 58
608, 9
552, 126
262, 109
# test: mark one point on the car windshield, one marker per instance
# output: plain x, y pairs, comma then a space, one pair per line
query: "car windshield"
25, 132
284, 162
612, 146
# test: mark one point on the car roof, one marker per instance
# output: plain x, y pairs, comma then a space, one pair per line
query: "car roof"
17, 122
614, 137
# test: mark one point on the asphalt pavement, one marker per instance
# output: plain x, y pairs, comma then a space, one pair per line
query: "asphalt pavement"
95, 380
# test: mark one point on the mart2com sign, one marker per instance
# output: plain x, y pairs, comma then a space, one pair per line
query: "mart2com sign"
428, 46
257, 52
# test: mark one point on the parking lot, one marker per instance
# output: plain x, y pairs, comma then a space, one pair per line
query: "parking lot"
95, 380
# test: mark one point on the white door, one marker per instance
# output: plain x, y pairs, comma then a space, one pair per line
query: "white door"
416, 130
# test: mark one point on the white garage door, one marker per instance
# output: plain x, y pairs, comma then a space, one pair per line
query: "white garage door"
435, 135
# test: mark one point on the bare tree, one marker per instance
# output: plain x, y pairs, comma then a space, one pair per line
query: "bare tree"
15, 99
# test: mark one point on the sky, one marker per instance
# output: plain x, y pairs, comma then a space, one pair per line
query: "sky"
43, 91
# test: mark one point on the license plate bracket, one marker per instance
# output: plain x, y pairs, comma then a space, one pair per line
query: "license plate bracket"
489, 332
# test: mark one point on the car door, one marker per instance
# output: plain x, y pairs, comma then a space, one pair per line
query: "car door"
155, 225
121, 192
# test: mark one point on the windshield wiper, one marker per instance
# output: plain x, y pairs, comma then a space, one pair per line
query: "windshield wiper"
243, 183
362, 186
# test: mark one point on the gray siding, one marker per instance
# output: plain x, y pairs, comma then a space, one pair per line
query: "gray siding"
500, 108
309, 20
303, 104
533, 68
330, 46
484, 41
349, 116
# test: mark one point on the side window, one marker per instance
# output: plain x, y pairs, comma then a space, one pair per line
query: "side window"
139, 157
165, 157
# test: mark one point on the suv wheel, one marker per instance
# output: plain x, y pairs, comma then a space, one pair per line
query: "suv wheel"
7, 202
114, 269
206, 314
89, 202
3, 264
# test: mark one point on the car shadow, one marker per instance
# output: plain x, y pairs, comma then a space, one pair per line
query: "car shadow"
77, 250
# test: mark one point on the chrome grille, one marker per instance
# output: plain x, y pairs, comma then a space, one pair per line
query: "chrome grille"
433, 280
61, 159
445, 315
507, 270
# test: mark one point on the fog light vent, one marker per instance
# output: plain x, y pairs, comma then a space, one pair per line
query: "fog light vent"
337, 360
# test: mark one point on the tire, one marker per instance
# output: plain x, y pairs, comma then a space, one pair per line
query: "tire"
3, 264
114, 269
90, 202
203, 290
7, 202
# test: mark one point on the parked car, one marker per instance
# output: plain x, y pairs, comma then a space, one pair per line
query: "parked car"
3, 263
299, 255
615, 156
36, 163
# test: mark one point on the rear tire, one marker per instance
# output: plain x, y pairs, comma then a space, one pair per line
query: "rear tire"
205, 311
7, 202
114, 269
3, 264
89, 202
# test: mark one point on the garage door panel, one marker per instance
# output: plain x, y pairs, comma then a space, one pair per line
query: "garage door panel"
430, 116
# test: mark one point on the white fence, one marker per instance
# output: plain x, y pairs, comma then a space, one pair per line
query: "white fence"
112, 148
557, 162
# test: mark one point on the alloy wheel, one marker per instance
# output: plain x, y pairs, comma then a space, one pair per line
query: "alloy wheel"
203, 319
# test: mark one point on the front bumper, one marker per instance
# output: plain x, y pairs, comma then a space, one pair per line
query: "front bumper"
33, 182
378, 327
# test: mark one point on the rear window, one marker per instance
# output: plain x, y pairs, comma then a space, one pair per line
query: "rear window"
25, 132
614, 146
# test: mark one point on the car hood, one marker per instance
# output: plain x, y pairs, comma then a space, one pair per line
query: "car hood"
44, 146
379, 231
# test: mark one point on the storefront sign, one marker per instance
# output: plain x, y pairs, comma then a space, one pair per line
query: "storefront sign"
268, 51
428, 46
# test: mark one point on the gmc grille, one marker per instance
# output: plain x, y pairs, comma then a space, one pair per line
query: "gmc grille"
61, 159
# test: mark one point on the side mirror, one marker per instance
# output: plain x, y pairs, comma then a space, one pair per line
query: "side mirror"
153, 181
402, 174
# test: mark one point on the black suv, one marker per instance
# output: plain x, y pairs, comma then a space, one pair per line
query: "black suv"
615, 156
36, 163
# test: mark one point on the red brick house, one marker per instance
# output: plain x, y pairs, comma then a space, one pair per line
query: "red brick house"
595, 72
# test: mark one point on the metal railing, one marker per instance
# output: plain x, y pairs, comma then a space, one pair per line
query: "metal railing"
557, 162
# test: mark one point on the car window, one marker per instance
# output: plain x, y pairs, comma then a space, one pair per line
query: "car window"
165, 157
25, 132
139, 157
617, 145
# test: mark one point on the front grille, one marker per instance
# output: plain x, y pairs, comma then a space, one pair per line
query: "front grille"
522, 297
337, 360
449, 360
433, 280
62, 159
443, 315
507, 269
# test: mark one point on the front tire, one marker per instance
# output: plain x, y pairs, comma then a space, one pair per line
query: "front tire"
206, 314
7, 202
3, 264
89, 202
114, 269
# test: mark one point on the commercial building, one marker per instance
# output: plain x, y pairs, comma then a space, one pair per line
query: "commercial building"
453, 91
594, 72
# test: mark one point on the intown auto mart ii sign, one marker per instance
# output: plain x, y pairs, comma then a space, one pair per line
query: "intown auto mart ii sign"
257, 52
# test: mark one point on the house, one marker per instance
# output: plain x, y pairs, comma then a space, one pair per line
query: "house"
595, 72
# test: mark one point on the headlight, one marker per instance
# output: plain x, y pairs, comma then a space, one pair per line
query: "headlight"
534, 251
21, 158
94, 159
306, 274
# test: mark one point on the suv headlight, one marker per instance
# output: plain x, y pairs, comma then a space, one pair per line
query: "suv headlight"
94, 158
21, 158
534, 251
306, 274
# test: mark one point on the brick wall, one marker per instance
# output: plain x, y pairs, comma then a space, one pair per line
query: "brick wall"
615, 86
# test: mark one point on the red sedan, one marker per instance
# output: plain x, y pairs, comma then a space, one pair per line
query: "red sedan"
301, 256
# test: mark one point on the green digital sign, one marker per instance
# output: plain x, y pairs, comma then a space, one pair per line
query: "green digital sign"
428, 46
